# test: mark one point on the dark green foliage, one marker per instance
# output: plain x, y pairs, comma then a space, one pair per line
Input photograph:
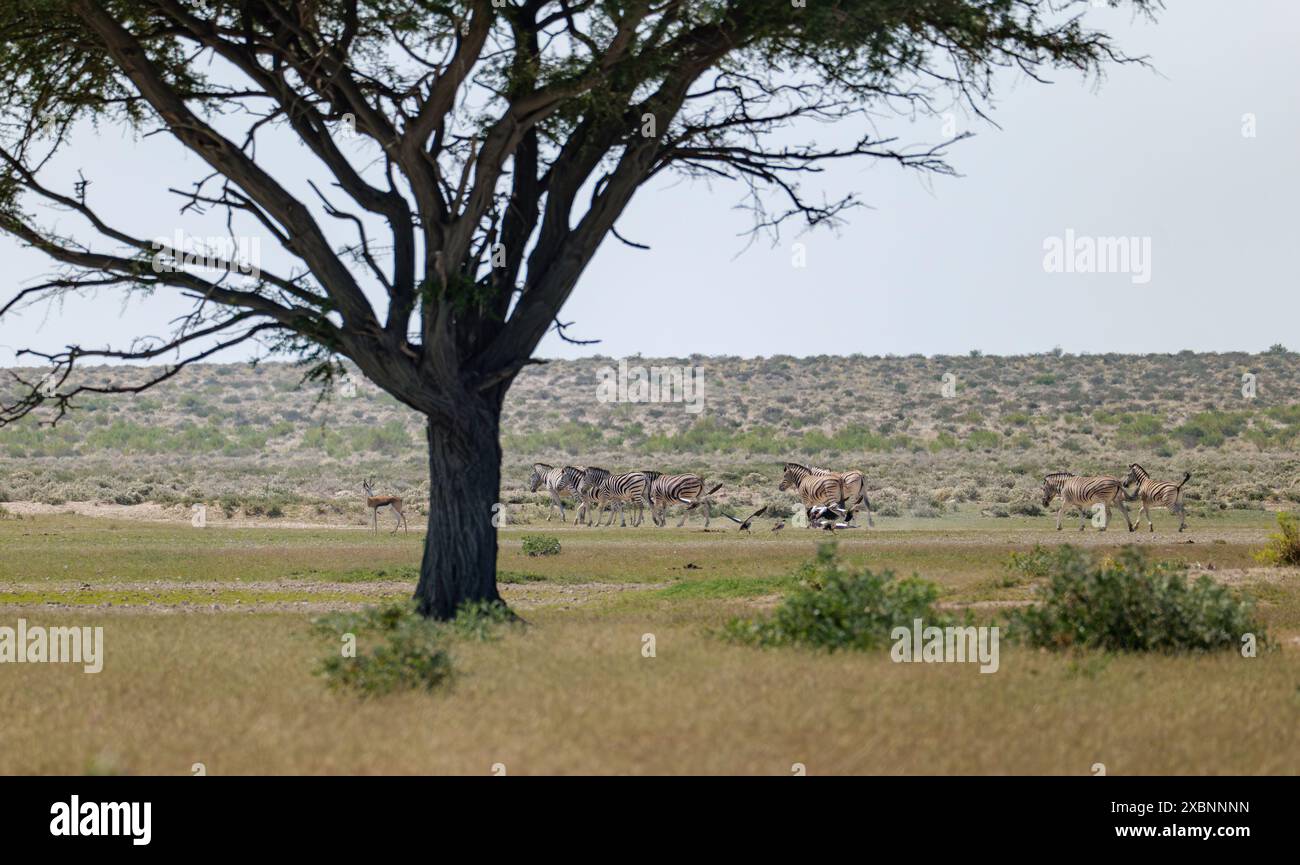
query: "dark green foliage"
541, 545
836, 609
1211, 428
1131, 604
397, 649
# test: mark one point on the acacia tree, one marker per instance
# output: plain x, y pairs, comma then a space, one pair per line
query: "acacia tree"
490, 147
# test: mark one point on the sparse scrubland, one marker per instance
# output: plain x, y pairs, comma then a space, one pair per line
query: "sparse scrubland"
249, 443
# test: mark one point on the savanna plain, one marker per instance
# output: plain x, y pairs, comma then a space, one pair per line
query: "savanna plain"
212, 658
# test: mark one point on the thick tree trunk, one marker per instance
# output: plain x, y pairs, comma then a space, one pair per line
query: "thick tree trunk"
460, 549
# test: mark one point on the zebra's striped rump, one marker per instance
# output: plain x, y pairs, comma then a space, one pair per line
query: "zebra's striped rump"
599, 487
666, 490
843, 501
1156, 493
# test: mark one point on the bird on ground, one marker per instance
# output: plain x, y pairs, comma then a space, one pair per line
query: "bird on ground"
744, 525
780, 525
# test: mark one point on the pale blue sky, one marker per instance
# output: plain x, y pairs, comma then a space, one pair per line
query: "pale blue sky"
938, 265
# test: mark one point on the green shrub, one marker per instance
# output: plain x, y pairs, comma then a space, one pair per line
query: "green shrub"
1211, 428
398, 649
835, 609
541, 545
480, 621
408, 651
1132, 604
1284, 547
1028, 509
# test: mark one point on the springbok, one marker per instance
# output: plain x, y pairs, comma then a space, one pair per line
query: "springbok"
375, 502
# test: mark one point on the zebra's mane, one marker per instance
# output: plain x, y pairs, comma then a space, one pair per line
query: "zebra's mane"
1054, 475
545, 466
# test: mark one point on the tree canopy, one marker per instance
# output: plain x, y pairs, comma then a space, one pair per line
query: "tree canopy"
483, 125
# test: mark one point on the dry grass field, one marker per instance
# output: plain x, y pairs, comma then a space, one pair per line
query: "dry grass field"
210, 658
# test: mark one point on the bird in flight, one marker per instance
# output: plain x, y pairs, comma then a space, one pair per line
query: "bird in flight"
744, 525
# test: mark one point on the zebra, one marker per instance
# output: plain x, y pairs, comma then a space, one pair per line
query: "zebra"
824, 491
686, 490
559, 481
855, 486
1078, 492
1158, 493
600, 487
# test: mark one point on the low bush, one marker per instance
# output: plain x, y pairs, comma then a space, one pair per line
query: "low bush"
397, 649
1034, 564
1132, 604
835, 609
408, 651
1284, 547
541, 545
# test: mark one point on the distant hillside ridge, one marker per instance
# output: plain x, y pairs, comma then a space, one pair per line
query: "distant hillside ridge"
984, 425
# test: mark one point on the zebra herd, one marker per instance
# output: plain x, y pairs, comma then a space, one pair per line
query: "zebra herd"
592, 487
830, 499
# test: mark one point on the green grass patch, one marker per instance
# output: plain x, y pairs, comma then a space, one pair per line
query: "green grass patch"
726, 587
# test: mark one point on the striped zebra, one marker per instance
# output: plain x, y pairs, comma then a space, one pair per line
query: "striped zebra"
855, 486
599, 487
559, 481
666, 490
1080, 492
825, 492
1161, 494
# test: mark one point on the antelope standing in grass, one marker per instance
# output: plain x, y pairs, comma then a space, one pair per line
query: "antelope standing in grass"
375, 502
1158, 493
